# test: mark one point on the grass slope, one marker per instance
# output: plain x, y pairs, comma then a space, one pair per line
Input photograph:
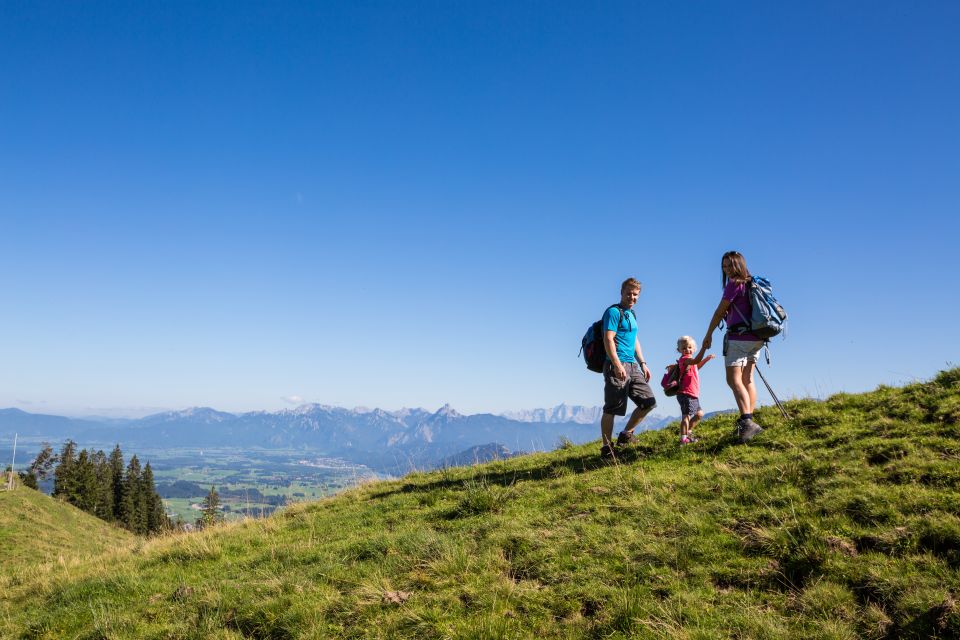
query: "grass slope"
35, 528
841, 523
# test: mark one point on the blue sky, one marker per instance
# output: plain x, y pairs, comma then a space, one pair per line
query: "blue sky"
245, 206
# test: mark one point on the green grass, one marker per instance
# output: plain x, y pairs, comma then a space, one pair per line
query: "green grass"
843, 522
37, 529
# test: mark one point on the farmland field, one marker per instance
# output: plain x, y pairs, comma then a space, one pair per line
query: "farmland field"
249, 482
253, 482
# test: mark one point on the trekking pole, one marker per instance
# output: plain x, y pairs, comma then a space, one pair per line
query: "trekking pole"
773, 395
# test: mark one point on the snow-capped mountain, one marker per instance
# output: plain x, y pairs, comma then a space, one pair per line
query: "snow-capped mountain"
559, 413
578, 414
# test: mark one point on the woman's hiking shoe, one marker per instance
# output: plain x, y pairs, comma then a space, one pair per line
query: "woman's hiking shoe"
625, 439
747, 430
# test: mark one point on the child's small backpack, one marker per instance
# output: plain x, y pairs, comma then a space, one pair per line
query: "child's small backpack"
671, 381
592, 344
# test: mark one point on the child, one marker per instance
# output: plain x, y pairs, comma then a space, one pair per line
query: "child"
689, 394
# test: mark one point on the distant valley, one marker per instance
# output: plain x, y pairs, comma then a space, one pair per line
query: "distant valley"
390, 442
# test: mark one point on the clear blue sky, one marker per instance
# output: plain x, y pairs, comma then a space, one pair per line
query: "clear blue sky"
240, 205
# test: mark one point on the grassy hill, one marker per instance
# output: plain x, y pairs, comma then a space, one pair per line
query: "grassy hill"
35, 529
840, 523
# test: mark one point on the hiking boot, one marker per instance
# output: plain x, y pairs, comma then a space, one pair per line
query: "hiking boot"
747, 430
625, 439
688, 439
606, 452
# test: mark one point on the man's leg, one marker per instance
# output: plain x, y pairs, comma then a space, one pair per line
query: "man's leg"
614, 404
606, 429
642, 395
645, 407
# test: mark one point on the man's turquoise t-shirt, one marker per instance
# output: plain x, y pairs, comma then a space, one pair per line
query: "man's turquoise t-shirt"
626, 338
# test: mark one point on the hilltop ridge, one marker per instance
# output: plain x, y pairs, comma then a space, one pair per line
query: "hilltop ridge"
843, 522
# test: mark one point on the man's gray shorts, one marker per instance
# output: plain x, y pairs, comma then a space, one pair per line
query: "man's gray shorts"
634, 386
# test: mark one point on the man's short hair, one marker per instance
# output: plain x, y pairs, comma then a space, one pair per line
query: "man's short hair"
630, 283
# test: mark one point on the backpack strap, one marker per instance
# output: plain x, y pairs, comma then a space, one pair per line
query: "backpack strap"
746, 328
623, 313
746, 323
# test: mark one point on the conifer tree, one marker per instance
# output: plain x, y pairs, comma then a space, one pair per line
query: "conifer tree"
100, 485
40, 468
44, 462
64, 481
211, 504
156, 517
116, 481
129, 513
103, 508
29, 479
85, 483
141, 522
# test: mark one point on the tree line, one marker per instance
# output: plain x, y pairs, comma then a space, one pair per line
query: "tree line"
102, 485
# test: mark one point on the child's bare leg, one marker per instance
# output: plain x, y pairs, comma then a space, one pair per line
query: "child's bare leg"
695, 420
684, 426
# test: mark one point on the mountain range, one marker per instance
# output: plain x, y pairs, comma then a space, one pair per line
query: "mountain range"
559, 413
389, 441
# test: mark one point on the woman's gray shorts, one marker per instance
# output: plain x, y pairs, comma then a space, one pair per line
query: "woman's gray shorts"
737, 353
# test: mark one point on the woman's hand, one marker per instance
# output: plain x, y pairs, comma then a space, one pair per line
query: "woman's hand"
707, 341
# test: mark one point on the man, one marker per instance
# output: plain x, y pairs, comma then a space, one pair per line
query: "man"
625, 374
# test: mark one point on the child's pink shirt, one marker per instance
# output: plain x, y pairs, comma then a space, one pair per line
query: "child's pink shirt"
690, 378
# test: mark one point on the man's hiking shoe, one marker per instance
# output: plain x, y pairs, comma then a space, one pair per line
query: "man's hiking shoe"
625, 439
747, 430
606, 452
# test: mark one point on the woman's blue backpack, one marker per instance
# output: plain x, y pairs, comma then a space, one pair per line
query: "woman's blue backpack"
767, 316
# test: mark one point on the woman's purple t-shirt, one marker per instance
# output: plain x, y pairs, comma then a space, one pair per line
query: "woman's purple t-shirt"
739, 310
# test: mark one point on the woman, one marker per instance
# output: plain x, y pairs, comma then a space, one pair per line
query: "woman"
740, 347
